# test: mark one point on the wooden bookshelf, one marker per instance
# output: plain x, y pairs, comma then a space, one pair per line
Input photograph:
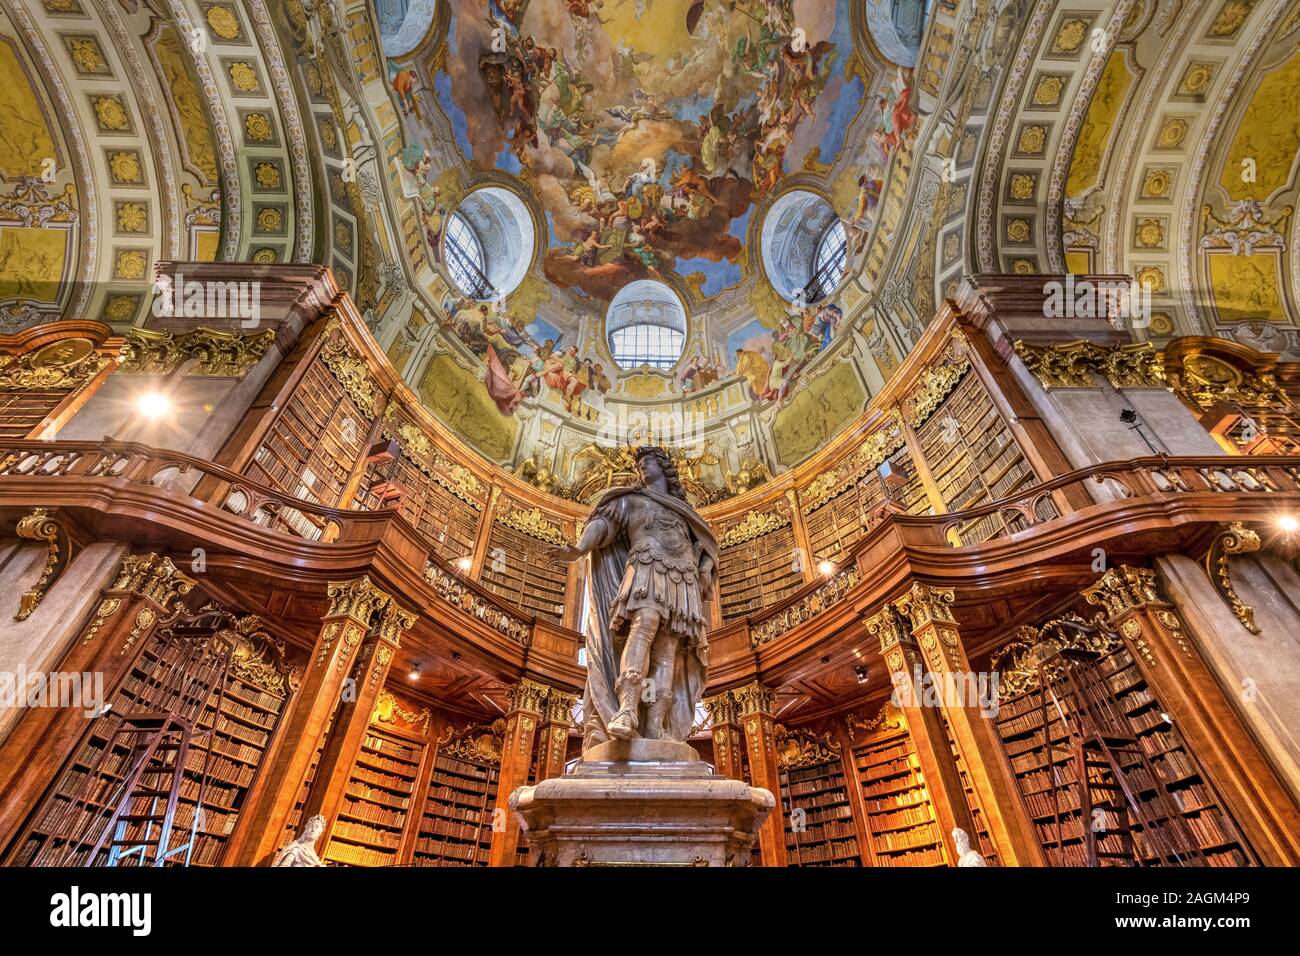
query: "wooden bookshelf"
835, 525
900, 814
456, 821
377, 801
312, 447
828, 836
757, 570
1046, 775
22, 410
233, 730
440, 499
976, 460
516, 567
980, 838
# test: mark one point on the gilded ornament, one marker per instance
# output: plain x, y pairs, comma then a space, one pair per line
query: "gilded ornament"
223, 22
1235, 539
1153, 277
1018, 230
534, 523
1230, 18
269, 219
267, 175
1172, 133
144, 621
477, 743
131, 217
1070, 36
934, 385
1035, 651
242, 76
1032, 140
65, 364
753, 525
888, 717
130, 264
753, 699
266, 255
389, 711
111, 113
352, 373
120, 308
1123, 588
1157, 183
1150, 233
1048, 91
257, 126
107, 608
1196, 79
86, 55
1023, 186
801, 748
40, 527
213, 352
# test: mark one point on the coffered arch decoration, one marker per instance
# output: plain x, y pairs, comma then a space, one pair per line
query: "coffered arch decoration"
44, 165
1120, 149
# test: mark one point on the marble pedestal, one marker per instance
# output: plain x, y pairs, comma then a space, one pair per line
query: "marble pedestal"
642, 803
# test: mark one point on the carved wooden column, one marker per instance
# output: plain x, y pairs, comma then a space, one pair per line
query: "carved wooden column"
1206, 718
553, 738
938, 769
754, 704
146, 591
528, 701
369, 672
930, 615
725, 729
357, 611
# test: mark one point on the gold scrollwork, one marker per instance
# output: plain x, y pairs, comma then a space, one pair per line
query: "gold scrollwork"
1235, 539
350, 372
39, 526
476, 743
534, 524
389, 711
215, 353
801, 748
753, 525
1035, 650
65, 364
1072, 364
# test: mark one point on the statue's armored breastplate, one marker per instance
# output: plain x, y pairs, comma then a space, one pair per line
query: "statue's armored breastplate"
657, 535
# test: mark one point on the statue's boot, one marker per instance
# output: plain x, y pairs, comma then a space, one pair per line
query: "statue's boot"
624, 723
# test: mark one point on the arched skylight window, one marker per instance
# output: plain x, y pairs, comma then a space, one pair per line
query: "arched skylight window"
828, 269
465, 259
488, 243
804, 246
646, 325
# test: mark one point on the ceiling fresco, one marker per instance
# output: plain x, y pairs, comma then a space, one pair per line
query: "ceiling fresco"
648, 131
660, 140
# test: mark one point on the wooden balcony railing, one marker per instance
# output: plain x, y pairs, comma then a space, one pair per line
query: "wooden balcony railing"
1036, 506
177, 473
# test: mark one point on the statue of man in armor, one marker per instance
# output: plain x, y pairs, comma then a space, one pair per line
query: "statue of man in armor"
652, 568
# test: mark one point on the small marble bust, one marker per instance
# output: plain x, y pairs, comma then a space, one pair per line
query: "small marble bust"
302, 851
965, 855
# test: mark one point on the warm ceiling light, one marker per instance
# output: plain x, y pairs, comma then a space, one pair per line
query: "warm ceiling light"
415, 673
827, 568
1288, 523
465, 563
153, 404
861, 673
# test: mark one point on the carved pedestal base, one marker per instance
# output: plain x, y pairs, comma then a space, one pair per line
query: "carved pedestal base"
641, 803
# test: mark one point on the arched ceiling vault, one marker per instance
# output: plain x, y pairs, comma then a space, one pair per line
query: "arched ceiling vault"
1159, 140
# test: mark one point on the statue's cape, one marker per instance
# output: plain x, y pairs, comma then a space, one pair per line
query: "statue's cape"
604, 650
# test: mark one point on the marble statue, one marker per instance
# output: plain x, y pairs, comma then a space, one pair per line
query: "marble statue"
966, 856
652, 569
302, 851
